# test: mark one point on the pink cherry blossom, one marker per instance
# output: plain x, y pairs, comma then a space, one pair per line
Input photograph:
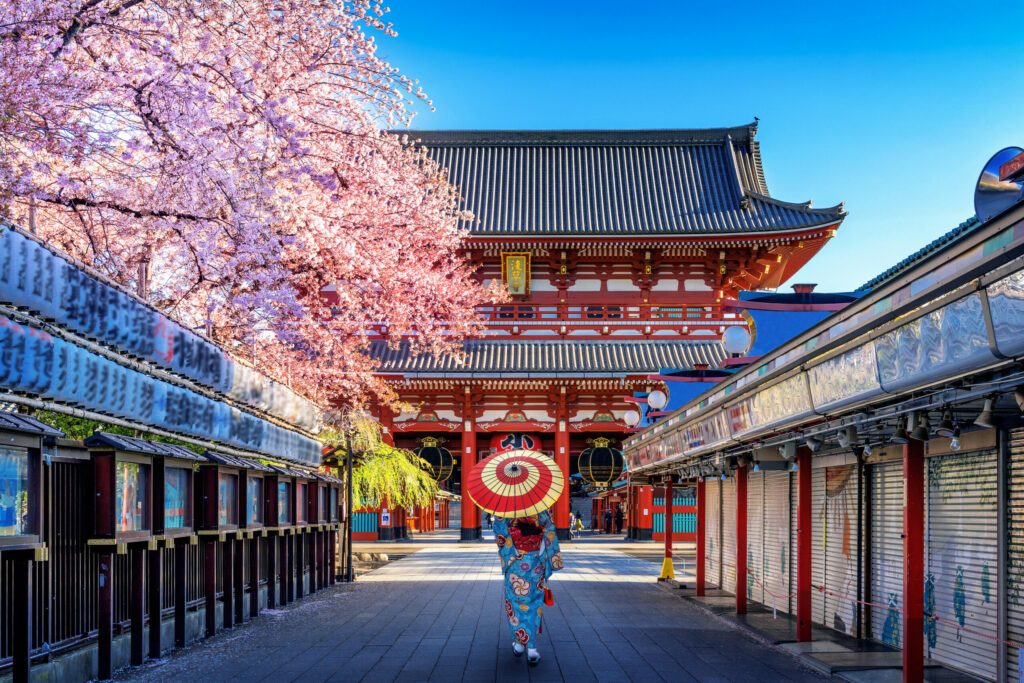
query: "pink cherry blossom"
234, 148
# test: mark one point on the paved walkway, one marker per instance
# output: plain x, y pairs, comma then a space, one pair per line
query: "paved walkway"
436, 615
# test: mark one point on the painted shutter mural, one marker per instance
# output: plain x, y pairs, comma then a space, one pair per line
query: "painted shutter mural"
840, 542
713, 532
755, 537
962, 562
729, 535
776, 540
886, 590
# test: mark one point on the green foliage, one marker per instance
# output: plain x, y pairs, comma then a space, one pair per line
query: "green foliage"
393, 474
79, 428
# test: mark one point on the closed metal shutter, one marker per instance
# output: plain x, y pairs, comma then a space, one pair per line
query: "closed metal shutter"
818, 520
1015, 548
794, 526
755, 537
962, 561
886, 539
713, 532
839, 529
777, 562
729, 535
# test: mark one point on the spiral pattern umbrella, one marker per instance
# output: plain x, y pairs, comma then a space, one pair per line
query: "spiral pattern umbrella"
517, 483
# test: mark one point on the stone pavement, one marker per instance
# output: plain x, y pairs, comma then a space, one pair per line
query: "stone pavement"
436, 615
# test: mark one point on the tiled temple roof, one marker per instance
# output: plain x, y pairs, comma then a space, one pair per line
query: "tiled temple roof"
526, 357
615, 183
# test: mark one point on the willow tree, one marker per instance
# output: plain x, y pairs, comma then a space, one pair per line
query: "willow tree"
381, 472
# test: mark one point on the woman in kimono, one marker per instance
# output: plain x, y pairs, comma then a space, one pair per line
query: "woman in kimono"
529, 555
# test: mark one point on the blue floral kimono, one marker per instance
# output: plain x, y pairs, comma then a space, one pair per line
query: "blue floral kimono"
529, 555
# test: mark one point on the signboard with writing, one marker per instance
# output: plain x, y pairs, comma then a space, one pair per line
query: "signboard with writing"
36, 363
515, 272
49, 286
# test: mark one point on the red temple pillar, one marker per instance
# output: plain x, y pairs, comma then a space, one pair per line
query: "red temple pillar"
562, 460
701, 513
645, 505
667, 570
387, 425
741, 540
470, 514
803, 546
913, 560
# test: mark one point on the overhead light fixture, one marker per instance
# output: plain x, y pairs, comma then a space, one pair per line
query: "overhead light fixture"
723, 475
954, 438
788, 450
657, 399
867, 449
757, 465
900, 436
921, 431
813, 444
945, 428
631, 418
985, 418
848, 437
794, 468
1018, 396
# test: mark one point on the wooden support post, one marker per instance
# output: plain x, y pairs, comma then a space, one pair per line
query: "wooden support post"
254, 577
332, 545
701, 531
300, 564
313, 547
105, 615
239, 582
21, 624
210, 579
741, 540
228, 572
271, 572
180, 598
282, 569
290, 566
154, 582
137, 605
470, 512
913, 560
646, 514
803, 545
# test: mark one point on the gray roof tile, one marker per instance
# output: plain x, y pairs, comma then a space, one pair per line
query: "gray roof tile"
644, 182
565, 357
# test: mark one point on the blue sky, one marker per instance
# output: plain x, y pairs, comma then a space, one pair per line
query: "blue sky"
893, 108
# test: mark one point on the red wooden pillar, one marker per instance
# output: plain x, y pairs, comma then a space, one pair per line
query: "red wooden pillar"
803, 546
701, 514
667, 570
645, 505
470, 513
741, 540
913, 560
562, 460
387, 425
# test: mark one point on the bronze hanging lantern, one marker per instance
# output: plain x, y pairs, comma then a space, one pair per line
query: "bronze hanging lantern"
438, 459
600, 464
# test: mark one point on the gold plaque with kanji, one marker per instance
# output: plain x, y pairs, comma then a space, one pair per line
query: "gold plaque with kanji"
515, 271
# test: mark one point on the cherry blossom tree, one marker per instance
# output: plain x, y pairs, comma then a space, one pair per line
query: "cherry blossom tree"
226, 158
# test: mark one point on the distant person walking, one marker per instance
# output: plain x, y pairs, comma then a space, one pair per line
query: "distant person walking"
490, 521
608, 521
578, 527
618, 520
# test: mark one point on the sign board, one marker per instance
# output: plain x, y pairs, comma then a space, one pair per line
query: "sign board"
515, 272
385, 517
1013, 167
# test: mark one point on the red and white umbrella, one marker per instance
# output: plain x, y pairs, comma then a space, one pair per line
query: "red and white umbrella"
515, 483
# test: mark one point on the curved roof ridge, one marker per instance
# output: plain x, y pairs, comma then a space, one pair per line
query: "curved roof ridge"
742, 133
837, 210
938, 243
